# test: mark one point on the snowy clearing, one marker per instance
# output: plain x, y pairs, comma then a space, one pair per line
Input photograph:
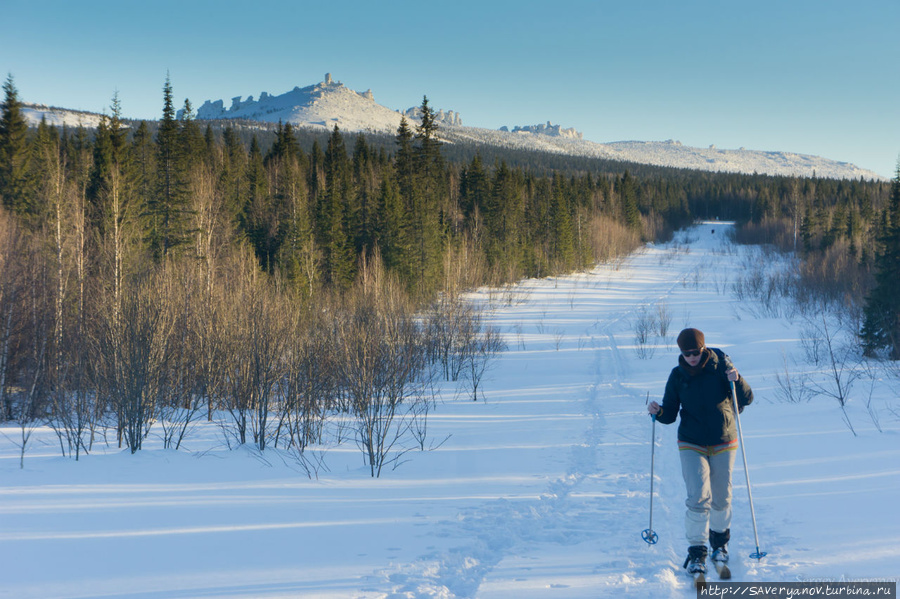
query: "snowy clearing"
540, 491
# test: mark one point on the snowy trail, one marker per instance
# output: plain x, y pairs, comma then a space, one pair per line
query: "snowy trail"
601, 494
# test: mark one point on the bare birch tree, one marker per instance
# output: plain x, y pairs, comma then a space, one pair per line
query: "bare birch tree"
255, 356
380, 363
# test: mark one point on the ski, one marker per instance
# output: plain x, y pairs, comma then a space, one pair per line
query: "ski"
723, 570
699, 580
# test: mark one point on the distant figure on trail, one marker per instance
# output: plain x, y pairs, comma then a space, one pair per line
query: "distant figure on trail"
700, 389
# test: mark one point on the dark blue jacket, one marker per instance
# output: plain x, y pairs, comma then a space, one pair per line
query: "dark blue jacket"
704, 401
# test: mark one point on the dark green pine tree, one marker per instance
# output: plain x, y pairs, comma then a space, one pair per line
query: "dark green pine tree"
79, 160
628, 197
427, 201
807, 229
366, 175
405, 162
167, 210
256, 214
193, 147
99, 177
288, 196
836, 226
852, 232
881, 322
474, 187
332, 221
540, 226
232, 176
46, 173
143, 151
392, 227
563, 240
209, 146
315, 182
504, 220
112, 176
14, 153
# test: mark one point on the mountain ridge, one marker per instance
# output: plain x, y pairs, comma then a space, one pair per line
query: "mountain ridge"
330, 103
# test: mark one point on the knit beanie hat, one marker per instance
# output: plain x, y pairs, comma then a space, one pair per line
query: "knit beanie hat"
691, 339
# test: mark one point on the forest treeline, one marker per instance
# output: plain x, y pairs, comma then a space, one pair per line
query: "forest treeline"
178, 264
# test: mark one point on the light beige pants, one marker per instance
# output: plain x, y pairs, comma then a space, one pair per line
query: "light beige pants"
708, 483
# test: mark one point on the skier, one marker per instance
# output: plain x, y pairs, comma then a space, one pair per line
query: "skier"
700, 388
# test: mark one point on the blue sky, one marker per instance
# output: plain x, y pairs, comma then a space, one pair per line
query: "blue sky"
812, 77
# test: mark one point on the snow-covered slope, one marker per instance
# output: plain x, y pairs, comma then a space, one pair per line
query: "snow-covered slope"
58, 117
325, 104
670, 153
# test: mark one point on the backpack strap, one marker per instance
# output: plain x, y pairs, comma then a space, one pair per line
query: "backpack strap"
724, 364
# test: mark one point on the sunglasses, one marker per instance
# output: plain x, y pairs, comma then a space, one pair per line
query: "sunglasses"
692, 353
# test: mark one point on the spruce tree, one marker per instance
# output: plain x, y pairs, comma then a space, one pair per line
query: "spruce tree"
288, 222
404, 163
628, 196
14, 153
474, 187
563, 245
333, 217
232, 175
113, 175
881, 323
428, 201
45, 176
168, 208
256, 214
367, 189
143, 152
392, 228
193, 147
503, 219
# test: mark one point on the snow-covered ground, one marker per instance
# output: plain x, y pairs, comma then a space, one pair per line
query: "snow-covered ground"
540, 491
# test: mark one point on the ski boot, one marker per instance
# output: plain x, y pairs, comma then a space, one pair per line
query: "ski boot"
719, 543
695, 564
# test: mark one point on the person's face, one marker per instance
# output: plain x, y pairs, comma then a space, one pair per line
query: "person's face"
692, 356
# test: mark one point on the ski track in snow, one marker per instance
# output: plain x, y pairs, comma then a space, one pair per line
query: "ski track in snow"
596, 493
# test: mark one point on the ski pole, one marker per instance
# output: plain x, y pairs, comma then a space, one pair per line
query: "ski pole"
758, 554
649, 535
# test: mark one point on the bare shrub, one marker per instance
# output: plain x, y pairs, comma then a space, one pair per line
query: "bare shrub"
133, 355
792, 387
663, 318
643, 328
254, 358
448, 324
841, 359
484, 346
764, 289
381, 363
840, 356
309, 387
611, 239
